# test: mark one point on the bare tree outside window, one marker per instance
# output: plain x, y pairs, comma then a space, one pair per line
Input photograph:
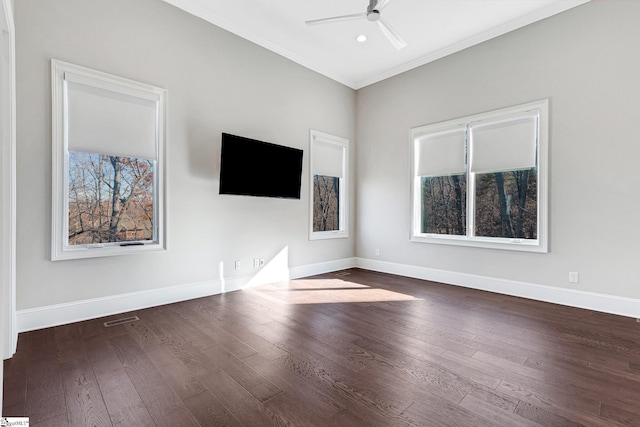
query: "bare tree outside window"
444, 205
326, 203
506, 204
110, 199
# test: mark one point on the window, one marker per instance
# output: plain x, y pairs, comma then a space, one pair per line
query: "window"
108, 139
328, 182
481, 180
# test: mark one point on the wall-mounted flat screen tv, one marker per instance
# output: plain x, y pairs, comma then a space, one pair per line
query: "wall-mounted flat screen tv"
250, 167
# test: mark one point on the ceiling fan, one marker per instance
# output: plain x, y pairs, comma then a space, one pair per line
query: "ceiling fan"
373, 15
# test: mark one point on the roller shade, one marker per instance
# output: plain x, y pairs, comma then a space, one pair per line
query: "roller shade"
509, 144
441, 153
102, 120
328, 159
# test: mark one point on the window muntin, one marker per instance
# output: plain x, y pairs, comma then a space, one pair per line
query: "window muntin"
108, 185
502, 203
328, 182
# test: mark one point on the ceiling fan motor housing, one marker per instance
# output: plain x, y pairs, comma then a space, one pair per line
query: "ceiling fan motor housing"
373, 15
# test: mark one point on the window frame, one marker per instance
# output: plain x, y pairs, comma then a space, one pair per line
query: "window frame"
540, 244
60, 249
343, 143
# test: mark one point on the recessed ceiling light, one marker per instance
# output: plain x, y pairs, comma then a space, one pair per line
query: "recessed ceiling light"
361, 38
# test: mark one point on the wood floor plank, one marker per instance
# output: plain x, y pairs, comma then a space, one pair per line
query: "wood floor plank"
15, 381
254, 341
209, 411
297, 410
58, 421
346, 418
123, 402
258, 386
103, 357
368, 394
141, 332
85, 402
45, 394
450, 380
285, 380
622, 388
425, 413
246, 408
167, 319
542, 416
340, 349
209, 325
619, 415
159, 399
568, 386
17, 410
494, 414
568, 406
181, 374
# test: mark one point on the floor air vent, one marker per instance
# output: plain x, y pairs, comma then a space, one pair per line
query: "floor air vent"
120, 321
342, 273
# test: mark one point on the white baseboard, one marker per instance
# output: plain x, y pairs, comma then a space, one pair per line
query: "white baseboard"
570, 297
60, 314
322, 267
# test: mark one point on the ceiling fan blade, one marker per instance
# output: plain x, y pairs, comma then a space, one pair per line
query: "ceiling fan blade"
336, 19
382, 4
396, 40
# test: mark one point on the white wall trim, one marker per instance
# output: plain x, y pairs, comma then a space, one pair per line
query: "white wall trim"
8, 321
322, 267
570, 297
60, 314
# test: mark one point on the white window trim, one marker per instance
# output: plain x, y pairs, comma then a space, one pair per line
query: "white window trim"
538, 245
59, 202
343, 232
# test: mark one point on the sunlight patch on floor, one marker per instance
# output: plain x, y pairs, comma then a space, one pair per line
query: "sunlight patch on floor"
327, 291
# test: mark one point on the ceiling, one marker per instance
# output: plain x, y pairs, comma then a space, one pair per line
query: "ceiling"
431, 28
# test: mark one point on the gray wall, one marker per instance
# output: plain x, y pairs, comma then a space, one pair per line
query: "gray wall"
217, 83
587, 62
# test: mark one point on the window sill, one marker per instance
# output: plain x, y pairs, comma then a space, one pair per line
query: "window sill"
98, 251
323, 235
520, 245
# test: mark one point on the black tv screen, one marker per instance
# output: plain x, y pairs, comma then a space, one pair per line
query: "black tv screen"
250, 167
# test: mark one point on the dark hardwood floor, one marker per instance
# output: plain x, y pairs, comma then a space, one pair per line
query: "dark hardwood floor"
355, 349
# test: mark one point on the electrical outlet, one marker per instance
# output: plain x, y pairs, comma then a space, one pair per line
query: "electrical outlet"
237, 265
256, 262
573, 277
377, 252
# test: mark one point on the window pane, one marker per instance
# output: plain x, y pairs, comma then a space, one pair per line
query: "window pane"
326, 203
110, 199
506, 204
444, 204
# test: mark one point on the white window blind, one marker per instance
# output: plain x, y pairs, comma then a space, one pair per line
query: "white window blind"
328, 159
102, 120
508, 144
441, 153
